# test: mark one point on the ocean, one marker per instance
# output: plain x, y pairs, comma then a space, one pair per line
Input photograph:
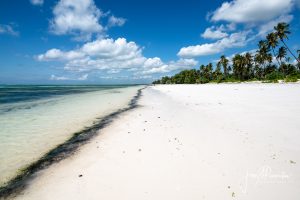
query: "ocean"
35, 119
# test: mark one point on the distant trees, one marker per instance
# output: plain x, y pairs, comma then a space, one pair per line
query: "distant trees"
269, 63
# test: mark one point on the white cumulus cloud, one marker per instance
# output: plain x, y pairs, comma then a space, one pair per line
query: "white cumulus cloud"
238, 39
159, 67
253, 18
76, 17
265, 28
247, 11
213, 33
118, 49
82, 19
57, 54
112, 56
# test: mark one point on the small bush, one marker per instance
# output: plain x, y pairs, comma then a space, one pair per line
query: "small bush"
203, 80
291, 78
231, 79
273, 77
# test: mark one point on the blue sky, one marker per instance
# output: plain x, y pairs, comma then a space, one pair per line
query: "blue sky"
133, 41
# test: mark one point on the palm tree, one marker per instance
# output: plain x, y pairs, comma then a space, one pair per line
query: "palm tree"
298, 65
209, 71
206, 73
238, 66
258, 66
264, 52
248, 59
272, 41
224, 62
217, 74
281, 54
282, 31
202, 67
263, 56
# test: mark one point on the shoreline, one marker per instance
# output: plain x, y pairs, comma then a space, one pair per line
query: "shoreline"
187, 142
17, 184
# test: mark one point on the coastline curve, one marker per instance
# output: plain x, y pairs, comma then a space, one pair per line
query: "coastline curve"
19, 182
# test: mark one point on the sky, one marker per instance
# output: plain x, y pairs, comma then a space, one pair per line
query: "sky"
132, 41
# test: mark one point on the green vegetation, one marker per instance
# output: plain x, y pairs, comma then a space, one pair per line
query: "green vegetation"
291, 78
269, 64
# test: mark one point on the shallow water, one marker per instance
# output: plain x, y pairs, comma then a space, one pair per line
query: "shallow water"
35, 119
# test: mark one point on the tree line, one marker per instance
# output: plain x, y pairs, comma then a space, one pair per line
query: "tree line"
271, 62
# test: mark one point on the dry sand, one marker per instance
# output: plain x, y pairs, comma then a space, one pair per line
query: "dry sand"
226, 141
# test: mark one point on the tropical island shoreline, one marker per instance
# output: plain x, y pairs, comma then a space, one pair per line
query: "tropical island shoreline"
144, 100
269, 63
208, 141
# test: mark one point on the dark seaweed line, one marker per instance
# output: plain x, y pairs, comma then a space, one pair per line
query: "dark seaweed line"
18, 184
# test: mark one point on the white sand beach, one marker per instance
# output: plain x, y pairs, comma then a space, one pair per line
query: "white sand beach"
214, 141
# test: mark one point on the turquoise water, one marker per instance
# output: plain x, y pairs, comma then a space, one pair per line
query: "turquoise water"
35, 119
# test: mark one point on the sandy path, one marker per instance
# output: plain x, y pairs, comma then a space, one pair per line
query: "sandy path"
189, 142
